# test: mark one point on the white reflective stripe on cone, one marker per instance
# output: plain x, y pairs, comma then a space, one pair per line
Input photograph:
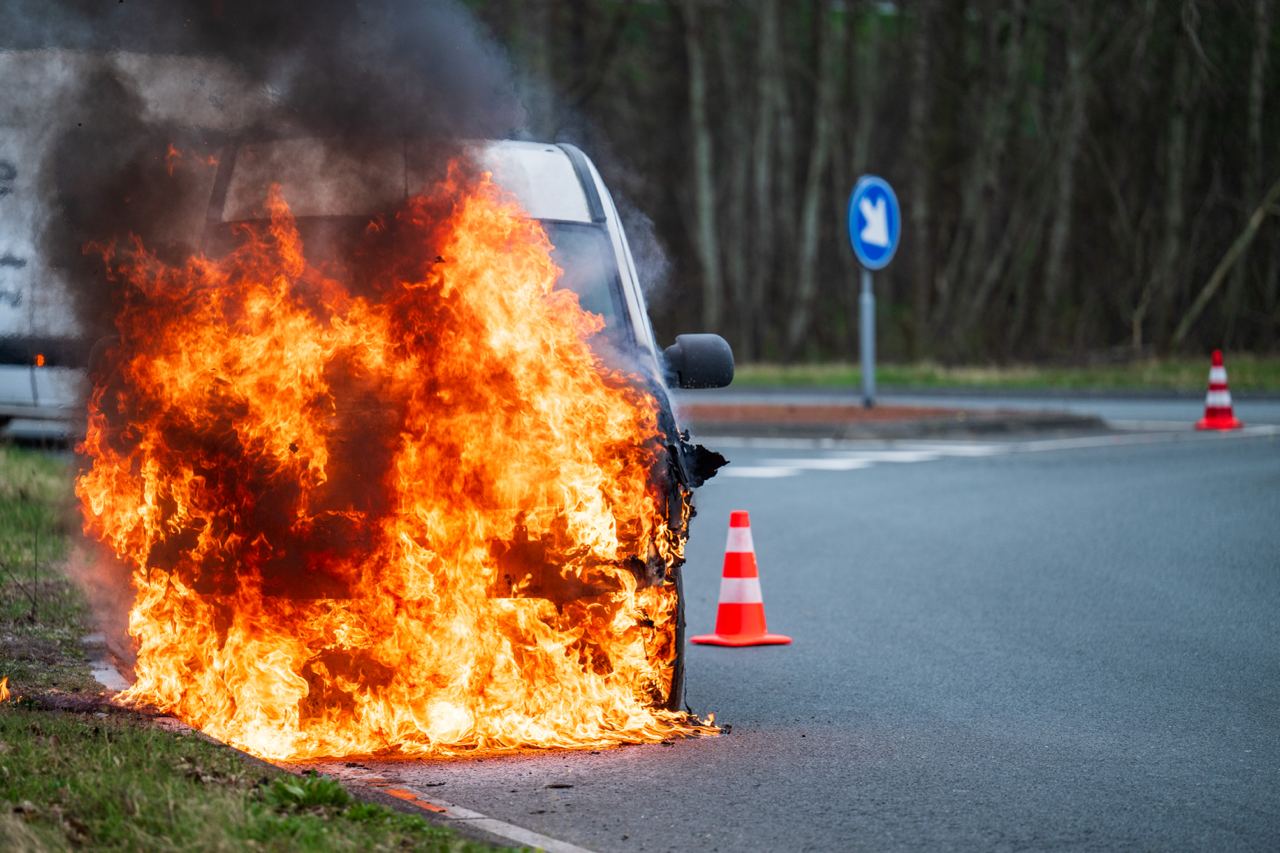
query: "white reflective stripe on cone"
1217, 374
740, 591
739, 541
1218, 399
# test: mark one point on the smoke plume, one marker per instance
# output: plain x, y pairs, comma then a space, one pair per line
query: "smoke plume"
199, 74
130, 107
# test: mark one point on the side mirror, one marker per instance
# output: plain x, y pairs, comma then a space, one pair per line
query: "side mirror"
699, 361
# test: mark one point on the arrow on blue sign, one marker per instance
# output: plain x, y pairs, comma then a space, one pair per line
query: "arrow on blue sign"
875, 222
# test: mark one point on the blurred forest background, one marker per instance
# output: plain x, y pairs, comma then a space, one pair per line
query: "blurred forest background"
1084, 180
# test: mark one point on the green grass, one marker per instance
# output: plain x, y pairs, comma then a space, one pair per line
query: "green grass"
110, 779
1246, 372
115, 781
43, 616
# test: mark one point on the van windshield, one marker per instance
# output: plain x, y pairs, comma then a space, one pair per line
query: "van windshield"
582, 250
590, 269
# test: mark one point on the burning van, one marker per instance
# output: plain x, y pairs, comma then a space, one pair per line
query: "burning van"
391, 459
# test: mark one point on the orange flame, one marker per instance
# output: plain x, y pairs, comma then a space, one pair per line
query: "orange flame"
413, 514
4, 689
174, 155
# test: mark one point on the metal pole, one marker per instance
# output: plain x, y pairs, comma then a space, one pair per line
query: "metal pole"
867, 338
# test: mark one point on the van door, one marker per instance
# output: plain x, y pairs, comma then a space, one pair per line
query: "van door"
15, 284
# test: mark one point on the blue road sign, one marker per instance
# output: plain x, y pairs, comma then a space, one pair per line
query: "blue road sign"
874, 222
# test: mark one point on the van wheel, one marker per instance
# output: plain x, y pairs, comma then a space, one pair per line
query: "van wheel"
675, 697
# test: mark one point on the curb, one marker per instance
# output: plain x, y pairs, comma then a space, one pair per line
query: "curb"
957, 423
988, 391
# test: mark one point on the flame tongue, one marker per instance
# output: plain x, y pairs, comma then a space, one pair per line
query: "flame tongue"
412, 512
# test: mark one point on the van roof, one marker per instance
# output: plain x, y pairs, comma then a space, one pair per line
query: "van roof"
319, 179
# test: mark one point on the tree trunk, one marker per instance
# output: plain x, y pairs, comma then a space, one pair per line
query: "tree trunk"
735, 236
785, 207
918, 209
763, 245
1074, 95
535, 78
1165, 276
969, 253
1252, 178
865, 85
1141, 284
830, 49
860, 89
1233, 256
704, 190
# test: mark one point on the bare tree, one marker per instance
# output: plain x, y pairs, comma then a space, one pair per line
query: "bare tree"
704, 190
736, 158
830, 50
1252, 178
1068, 168
918, 208
1074, 95
1167, 277
770, 99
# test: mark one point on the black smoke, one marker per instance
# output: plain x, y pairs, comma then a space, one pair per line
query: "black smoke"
342, 70
125, 85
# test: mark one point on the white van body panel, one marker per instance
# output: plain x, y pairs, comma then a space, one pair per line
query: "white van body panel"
35, 103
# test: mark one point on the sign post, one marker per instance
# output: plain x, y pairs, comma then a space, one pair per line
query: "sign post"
875, 224
867, 338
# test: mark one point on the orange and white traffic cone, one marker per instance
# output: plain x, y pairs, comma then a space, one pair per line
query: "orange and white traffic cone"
1217, 403
740, 618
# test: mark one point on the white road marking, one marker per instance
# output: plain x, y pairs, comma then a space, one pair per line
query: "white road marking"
455, 813
855, 455
955, 449
833, 464
757, 472
895, 455
1152, 426
1117, 440
841, 461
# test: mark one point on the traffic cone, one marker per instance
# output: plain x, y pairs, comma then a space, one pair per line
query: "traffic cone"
1217, 403
740, 618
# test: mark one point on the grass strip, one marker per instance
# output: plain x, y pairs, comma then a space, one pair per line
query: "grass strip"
43, 616
110, 779
1248, 373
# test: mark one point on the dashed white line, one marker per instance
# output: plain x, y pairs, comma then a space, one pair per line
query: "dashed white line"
897, 455
835, 463
853, 455
758, 472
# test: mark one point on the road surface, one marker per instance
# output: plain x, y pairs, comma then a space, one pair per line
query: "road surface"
1041, 644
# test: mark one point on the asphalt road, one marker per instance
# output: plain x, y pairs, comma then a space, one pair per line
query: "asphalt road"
1029, 645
